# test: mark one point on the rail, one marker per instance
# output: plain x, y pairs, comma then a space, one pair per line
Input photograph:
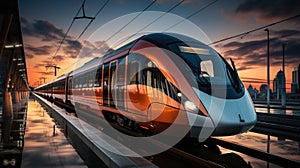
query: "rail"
284, 162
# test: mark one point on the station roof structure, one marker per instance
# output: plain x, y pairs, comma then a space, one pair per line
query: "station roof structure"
13, 73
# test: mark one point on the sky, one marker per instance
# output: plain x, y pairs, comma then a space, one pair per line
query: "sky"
45, 24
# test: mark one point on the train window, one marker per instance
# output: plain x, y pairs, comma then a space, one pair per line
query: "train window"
84, 81
91, 78
112, 83
120, 83
79, 80
98, 77
76, 84
136, 64
105, 84
207, 67
133, 73
70, 81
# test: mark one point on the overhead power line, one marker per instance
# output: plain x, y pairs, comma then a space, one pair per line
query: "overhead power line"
260, 28
61, 42
131, 21
93, 19
191, 15
258, 43
177, 23
143, 28
74, 18
147, 7
80, 17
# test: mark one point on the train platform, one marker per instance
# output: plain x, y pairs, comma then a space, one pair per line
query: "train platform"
44, 143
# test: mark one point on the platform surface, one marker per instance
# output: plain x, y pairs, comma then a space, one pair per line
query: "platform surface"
43, 147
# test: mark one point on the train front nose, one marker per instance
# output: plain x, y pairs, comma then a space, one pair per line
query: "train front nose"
230, 116
238, 116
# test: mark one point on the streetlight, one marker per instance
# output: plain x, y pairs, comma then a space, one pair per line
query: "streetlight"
268, 87
268, 68
283, 91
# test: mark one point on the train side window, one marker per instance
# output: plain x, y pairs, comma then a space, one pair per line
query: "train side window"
98, 77
137, 64
120, 82
75, 83
105, 84
80, 82
113, 83
91, 78
133, 73
84, 80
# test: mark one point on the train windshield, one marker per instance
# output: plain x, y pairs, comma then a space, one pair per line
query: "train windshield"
211, 71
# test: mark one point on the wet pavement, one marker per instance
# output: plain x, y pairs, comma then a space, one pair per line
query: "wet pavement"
277, 146
278, 111
45, 146
40, 145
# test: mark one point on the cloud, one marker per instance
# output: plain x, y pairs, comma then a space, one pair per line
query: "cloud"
29, 55
58, 58
269, 10
47, 33
253, 53
42, 29
96, 49
38, 50
45, 73
71, 48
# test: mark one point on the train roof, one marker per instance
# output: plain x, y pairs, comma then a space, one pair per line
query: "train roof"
97, 60
165, 39
159, 39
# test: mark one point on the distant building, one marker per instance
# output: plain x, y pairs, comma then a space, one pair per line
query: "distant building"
295, 86
263, 90
253, 92
278, 84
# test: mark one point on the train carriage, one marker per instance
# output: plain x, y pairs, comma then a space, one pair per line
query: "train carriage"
153, 80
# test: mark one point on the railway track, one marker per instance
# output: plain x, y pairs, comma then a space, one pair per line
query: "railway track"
287, 126
271, 158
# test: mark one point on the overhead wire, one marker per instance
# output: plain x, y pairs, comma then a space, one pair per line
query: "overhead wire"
143, 28
93, 19
98, 12
191, 15
256, 29
65, 35
147, 7
172, 8
271, 39
131, 21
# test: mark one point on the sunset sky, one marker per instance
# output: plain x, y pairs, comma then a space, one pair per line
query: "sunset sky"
44, 25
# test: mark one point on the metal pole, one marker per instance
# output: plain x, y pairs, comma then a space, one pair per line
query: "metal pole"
268, 68
268, 87
283, 92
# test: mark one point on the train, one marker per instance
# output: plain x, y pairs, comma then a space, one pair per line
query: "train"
154, 82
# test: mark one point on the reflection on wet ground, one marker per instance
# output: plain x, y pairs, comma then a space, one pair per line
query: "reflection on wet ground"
278, 111
45, 144
39, 145
277, 146
12, 137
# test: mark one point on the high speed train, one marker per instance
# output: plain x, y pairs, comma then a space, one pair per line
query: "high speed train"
154, 80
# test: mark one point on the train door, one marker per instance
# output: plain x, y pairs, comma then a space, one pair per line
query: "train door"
120, 86
68, 86
105, 84
112, 84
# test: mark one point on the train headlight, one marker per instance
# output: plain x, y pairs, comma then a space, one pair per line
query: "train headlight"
190, 106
